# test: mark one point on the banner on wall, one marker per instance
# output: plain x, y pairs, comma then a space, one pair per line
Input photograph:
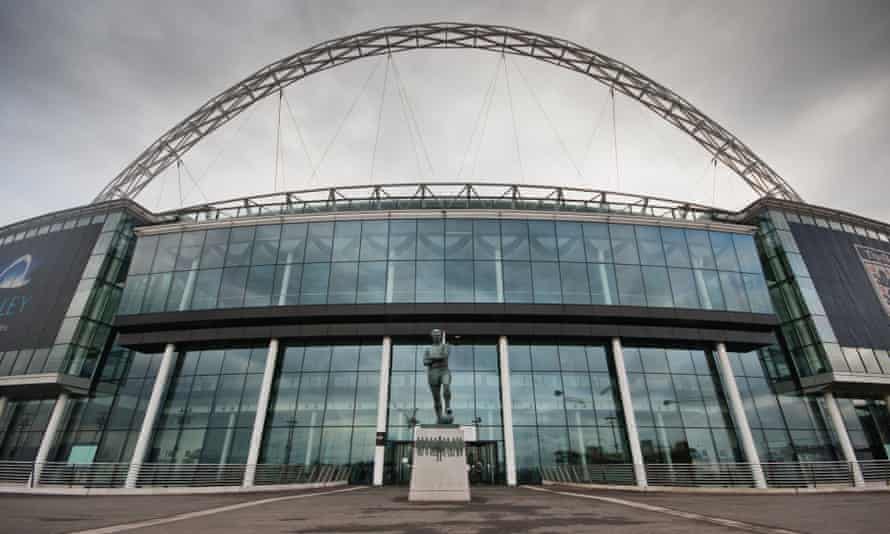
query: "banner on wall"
877, 266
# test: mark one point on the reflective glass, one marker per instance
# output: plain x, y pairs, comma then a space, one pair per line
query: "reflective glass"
724, 250
400, 281
575, 289
570, 241
675, 247
734, 292
156, 294
758, 294
346, 240
344, 278
658, 288
265, 249
487, 240
287, 284
700, 249
402, 240
431, 239
458, 239
206, 289
517, 281
624, 244
603, 287
189, 256
649, 242
134, 291
293, 243
165, 258
747, 253
430, 281
514, 235
487, 281
542, 238
597, 242
458, 281
319, 242
709, 292
545, 280
314, 286
231, 291
683, 288
630, 285
371, 282
143, 255
240, 246
375, 235
214, 252
259, 286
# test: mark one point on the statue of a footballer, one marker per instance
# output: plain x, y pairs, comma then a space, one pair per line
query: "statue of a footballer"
439, 377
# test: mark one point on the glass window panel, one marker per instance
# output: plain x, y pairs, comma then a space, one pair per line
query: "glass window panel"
165, 258
630, 285
344, 277
371, 282
545, 357
214, 252
624, 245
460, 357
265, 248
210, 362
517, 281
293, 243
700, 249
189, 256
231, 291
597, 242
319, 242
369, 357
404, 357
575, 289
550, 409
340, 403
375, 235
287, 284
400, 281
293, 359
131, 302
527, 455
604, 396
683, 288
366, 398
675, 247
236, 361
259, 286
680, 361
724, 251
401, 398
570, 241
177, 299
156, 294
459, 239
514, 236
640, 398
314, 286
486, 357
144, 255
542, 238
658, 288
458, 281
522, 396
578, 399
734, 291
597, 358
488, 398
487, 279
430, 281
603, 286
758, 294
345, 358
520, 357
654, 360
431, 239
546, 284
402, 240
664, 401
240, 247
346, 240
573, 358
746, 250
487, 240
709, 292
464, 397
649, 242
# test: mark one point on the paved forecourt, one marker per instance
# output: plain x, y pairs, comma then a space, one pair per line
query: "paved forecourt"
493, 510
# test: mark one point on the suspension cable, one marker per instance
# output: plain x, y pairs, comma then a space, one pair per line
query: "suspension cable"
714, 180
513, 116
413, 116
615, 141
593, 132
191, 177
161, 193
249, 113
562, 144
342, 122
277, 142
379, 119
484, 127
478, 119
179, 179
293, 119
406, 116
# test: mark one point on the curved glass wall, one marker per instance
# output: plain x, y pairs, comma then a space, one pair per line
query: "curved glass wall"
445, 260
566, 407
323, 408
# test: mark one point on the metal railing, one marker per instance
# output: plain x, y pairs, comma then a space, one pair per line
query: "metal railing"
166, 475
729, 475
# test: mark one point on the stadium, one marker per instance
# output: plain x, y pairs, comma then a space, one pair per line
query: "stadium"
598, 337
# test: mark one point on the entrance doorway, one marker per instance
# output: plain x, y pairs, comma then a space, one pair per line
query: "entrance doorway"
483, 463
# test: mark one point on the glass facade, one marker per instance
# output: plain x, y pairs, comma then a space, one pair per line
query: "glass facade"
446, 260
323, 409
680, 407
566, 407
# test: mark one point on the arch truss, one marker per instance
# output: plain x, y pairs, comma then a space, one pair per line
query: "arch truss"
269, 80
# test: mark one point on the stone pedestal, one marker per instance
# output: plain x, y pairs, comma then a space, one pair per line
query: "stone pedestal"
440, 465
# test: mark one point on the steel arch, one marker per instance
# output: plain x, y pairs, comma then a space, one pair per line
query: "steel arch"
673, 108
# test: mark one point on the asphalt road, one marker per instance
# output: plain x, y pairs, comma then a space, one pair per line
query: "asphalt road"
493, 510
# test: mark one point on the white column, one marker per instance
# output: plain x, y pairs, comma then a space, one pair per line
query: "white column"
382, 405
158, 392
262, 407
507, 409
840, 429
737, 409
630, 420
3, 402
49, 436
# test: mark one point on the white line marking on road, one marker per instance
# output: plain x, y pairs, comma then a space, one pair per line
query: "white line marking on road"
201, 513
731, 523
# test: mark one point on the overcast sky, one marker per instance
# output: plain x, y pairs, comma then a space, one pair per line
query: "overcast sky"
87, 85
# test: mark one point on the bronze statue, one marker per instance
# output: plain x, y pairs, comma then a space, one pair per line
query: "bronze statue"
439, 377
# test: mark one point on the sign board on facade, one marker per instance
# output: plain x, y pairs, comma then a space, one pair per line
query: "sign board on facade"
877, 266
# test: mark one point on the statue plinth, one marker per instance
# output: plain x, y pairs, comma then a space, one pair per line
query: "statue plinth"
440, 465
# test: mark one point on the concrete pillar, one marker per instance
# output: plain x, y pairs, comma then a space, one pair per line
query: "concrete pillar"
507, 410
158, 392
262, 408
840, 429
49, 436
737, 409
630, 420
382, 405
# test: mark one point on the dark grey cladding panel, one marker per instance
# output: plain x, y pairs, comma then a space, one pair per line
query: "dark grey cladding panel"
847, 294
